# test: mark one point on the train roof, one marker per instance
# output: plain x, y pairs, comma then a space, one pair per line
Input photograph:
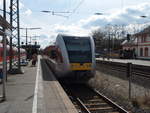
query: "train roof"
1, 45
14, 48
22, 50
70, 36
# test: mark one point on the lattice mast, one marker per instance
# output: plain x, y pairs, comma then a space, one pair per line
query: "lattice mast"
15, 22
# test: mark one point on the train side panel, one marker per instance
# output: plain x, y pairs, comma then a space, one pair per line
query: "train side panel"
93, 56
63, 66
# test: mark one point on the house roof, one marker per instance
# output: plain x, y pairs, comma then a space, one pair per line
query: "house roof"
132, 41
144, 31
133, 38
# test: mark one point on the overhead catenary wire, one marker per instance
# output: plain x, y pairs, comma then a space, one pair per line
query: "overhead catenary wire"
76, 8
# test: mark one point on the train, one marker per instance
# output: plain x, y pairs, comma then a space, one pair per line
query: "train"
14, 53
73, 57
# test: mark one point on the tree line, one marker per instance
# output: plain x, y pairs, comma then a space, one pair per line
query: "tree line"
109, 38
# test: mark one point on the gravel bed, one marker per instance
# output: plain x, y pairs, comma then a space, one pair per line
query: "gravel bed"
117, 89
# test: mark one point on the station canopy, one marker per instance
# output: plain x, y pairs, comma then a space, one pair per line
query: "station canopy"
4, 24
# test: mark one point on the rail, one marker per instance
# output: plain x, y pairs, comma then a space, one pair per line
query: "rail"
88, 100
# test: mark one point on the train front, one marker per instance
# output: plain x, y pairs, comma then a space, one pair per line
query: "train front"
81, 57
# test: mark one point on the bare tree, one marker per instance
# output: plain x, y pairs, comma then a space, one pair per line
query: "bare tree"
110, 37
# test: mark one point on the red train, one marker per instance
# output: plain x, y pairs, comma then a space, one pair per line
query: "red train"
14, 53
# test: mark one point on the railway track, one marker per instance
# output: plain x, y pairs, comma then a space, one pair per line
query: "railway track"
138, 70
87, 100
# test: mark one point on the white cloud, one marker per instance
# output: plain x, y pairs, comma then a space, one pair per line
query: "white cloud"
21, 5
24, 9
71, 29
1, 3
28, 12
126, 16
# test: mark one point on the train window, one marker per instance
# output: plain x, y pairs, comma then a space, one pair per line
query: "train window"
76, 44
79, 49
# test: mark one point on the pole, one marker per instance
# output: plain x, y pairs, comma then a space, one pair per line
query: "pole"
109, 46
10, 62
18, 30
26, 41
4, 55
30, 40
129, 75
26, 37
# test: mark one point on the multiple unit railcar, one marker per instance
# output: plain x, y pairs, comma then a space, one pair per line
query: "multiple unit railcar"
74, 56
14, 53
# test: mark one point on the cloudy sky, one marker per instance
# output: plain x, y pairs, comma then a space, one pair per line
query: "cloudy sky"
80, 19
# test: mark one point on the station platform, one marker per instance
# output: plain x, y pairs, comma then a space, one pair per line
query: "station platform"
133, 61
19, 92
35, 91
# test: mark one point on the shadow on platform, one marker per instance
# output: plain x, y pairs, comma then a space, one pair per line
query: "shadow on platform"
47, 74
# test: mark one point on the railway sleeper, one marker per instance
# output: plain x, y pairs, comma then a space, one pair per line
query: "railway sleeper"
95, 104
94, 100
102, 109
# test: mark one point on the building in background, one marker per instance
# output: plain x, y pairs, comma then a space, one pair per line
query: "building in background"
139, 43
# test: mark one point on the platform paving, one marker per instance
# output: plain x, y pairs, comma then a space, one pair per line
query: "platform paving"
35, 91
56, 100
19, 92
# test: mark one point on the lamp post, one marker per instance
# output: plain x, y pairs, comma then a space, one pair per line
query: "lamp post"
98, 13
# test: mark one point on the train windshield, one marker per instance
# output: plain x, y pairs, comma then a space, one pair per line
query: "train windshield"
79, 49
